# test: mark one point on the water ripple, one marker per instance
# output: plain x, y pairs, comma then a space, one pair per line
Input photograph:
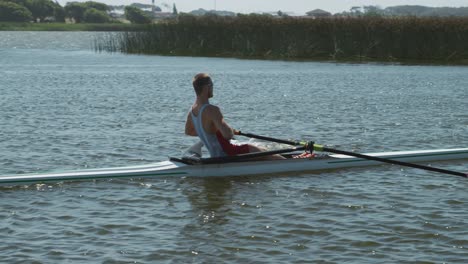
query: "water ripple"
65, 107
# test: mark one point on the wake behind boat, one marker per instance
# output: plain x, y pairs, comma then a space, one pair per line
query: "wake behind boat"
198, 167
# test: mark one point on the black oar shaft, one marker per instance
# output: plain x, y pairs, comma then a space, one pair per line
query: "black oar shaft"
353, 154
396, 162
276, 140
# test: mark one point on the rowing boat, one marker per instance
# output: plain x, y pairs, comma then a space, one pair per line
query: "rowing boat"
196, 167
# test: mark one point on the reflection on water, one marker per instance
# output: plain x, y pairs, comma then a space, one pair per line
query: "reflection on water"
211, 200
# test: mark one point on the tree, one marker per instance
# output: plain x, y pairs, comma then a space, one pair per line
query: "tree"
75, 10
356, 11
372, 11
136, 15
19, 2
40, 9
14, 12
174, 10
92, 15
59, 13
96, 5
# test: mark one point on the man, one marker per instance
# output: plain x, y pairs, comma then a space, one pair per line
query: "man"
206, 121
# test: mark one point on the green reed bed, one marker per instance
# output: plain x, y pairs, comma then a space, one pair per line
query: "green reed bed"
345, 39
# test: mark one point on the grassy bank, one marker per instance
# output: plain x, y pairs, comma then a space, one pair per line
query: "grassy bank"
428, 40
11, 26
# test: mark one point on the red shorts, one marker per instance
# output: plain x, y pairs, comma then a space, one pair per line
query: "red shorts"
231, 149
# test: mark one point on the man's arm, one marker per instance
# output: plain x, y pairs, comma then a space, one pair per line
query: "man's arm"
220, 124
189, 128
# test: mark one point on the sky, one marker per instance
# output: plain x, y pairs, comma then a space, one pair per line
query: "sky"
299, 7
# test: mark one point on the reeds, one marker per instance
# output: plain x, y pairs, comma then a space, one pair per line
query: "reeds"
344, 38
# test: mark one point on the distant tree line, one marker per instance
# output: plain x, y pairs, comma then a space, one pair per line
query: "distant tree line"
88, 12
95, 12
78, 12
30, 10
338, 38
137, 15
48, 11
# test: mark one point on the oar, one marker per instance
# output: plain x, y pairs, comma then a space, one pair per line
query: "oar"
276, 140
353, 154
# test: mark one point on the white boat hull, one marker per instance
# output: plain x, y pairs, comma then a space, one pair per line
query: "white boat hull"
179, 169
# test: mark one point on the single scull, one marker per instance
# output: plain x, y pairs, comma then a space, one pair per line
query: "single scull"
194, 167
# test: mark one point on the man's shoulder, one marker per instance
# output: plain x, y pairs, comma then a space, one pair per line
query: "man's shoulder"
211, 107
213, 110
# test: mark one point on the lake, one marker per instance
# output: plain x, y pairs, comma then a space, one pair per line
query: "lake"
64, 106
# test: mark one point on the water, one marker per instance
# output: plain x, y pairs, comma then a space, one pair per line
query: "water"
64, 106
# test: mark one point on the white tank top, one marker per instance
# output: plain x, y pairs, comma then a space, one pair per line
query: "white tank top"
209, 140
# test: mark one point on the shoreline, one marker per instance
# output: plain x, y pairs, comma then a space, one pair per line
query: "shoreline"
17, 26
463, 63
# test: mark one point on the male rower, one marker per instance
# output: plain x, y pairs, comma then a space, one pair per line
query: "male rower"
206, 121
